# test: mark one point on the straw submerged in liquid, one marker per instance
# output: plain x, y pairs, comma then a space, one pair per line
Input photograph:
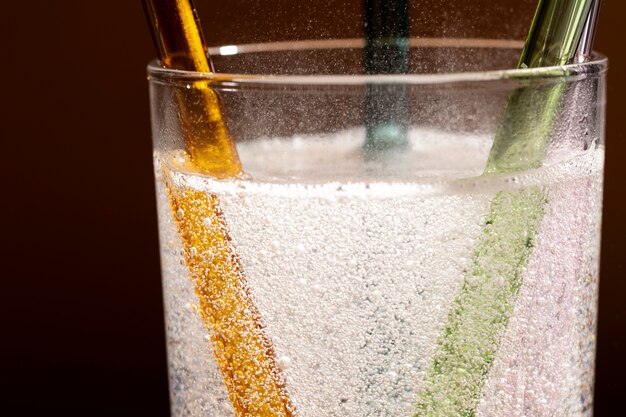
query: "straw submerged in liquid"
480, 313
243, 351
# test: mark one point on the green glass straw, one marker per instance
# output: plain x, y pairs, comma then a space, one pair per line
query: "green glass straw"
480, 313
554, 39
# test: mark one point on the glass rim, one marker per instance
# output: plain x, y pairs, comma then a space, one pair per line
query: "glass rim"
598, 64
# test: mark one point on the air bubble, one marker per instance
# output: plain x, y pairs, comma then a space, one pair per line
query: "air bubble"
391, 375
284, 362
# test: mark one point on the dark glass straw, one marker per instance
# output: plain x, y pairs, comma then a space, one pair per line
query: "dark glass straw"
386, 28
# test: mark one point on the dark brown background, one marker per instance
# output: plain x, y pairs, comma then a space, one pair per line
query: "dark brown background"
81, 331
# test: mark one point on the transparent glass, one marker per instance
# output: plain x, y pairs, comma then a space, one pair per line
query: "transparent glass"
423, 244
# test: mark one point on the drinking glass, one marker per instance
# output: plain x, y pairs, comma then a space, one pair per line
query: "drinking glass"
421, 244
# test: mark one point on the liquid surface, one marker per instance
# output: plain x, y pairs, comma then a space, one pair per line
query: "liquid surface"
352, 281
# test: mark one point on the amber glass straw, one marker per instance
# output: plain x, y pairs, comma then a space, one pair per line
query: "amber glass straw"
243, 351
180, 45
